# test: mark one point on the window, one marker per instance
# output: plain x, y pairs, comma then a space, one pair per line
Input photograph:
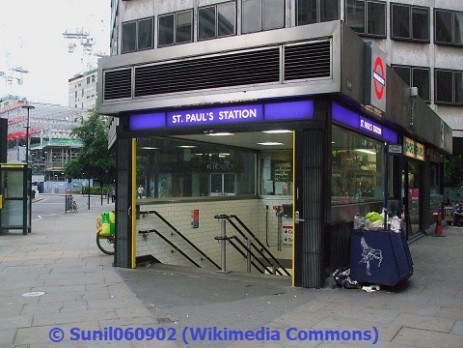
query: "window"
178, 168
410, 22
366, 17
415, 77
175, 28
276, 173
137, 35
449, 87
314, 11
261, 15
129, 34
357, 168
145, 33
448, 27
217, 21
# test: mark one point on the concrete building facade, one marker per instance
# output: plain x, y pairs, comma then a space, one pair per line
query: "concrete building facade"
82, 90
423, 39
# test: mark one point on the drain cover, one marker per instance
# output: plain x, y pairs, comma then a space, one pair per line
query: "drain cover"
34, 294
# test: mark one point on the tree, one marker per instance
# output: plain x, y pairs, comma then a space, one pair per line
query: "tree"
453, 171
95, 161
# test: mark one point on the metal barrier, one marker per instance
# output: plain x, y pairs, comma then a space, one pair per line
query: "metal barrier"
174, 231
248, 247
67, 203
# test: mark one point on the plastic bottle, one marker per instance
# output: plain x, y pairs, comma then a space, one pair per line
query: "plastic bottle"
357, 221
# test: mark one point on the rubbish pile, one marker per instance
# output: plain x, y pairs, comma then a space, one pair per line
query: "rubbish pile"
341, 279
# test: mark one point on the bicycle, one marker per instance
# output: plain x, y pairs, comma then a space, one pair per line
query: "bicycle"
105, 233
74, 206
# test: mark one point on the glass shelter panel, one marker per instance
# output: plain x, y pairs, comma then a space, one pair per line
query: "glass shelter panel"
12, 187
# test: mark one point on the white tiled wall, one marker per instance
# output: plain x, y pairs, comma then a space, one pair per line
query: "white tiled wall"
255, 213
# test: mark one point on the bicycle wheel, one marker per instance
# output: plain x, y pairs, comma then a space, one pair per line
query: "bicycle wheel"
105, 243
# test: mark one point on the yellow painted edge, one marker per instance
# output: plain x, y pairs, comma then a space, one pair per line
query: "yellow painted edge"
134, 203
294, 211
13, 165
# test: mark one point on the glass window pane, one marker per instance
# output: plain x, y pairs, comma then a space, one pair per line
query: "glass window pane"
421, 80
145, 33
273, 14
167, 170
400, 21
458, 78
355, 15
404, 73
444, 86
226, 18
13, 213
252, 18
166, 30
276, 173
13, 184
306, 12
229, 184
329, 10
420, 24
184, 27
216, 184
376, 18
357, 168
206, 17
443, 27
129, 32
458, 35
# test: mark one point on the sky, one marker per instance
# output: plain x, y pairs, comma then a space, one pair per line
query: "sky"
31, 37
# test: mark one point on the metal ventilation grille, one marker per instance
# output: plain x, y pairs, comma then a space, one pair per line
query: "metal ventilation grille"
118, 84
308, 61
261, 66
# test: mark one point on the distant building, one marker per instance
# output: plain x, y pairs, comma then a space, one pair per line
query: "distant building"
82, 90
50, 157
50, 129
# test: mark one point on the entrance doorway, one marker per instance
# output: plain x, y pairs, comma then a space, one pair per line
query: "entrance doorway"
190, 180
413, 196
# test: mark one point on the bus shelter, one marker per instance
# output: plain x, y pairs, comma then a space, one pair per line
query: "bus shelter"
15, 198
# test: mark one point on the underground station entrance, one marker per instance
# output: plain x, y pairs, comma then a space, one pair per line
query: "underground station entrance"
219, 201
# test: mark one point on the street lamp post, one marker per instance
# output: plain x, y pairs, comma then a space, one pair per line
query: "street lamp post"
28, 188
28, 107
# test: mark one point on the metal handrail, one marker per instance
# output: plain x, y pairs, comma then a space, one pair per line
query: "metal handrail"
258, 242
171, 244
180, 234
230, 239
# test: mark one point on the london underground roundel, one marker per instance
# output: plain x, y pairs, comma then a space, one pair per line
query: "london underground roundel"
379, 80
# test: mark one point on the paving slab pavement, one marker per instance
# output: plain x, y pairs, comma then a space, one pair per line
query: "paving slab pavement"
83, 294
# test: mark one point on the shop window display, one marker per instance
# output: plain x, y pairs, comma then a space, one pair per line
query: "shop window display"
357, 168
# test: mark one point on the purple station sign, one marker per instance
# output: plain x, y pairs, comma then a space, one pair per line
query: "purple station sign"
219, 115
227, 114
352, 119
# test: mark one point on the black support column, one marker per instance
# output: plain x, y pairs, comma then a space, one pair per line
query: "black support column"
123, 255
312, 183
